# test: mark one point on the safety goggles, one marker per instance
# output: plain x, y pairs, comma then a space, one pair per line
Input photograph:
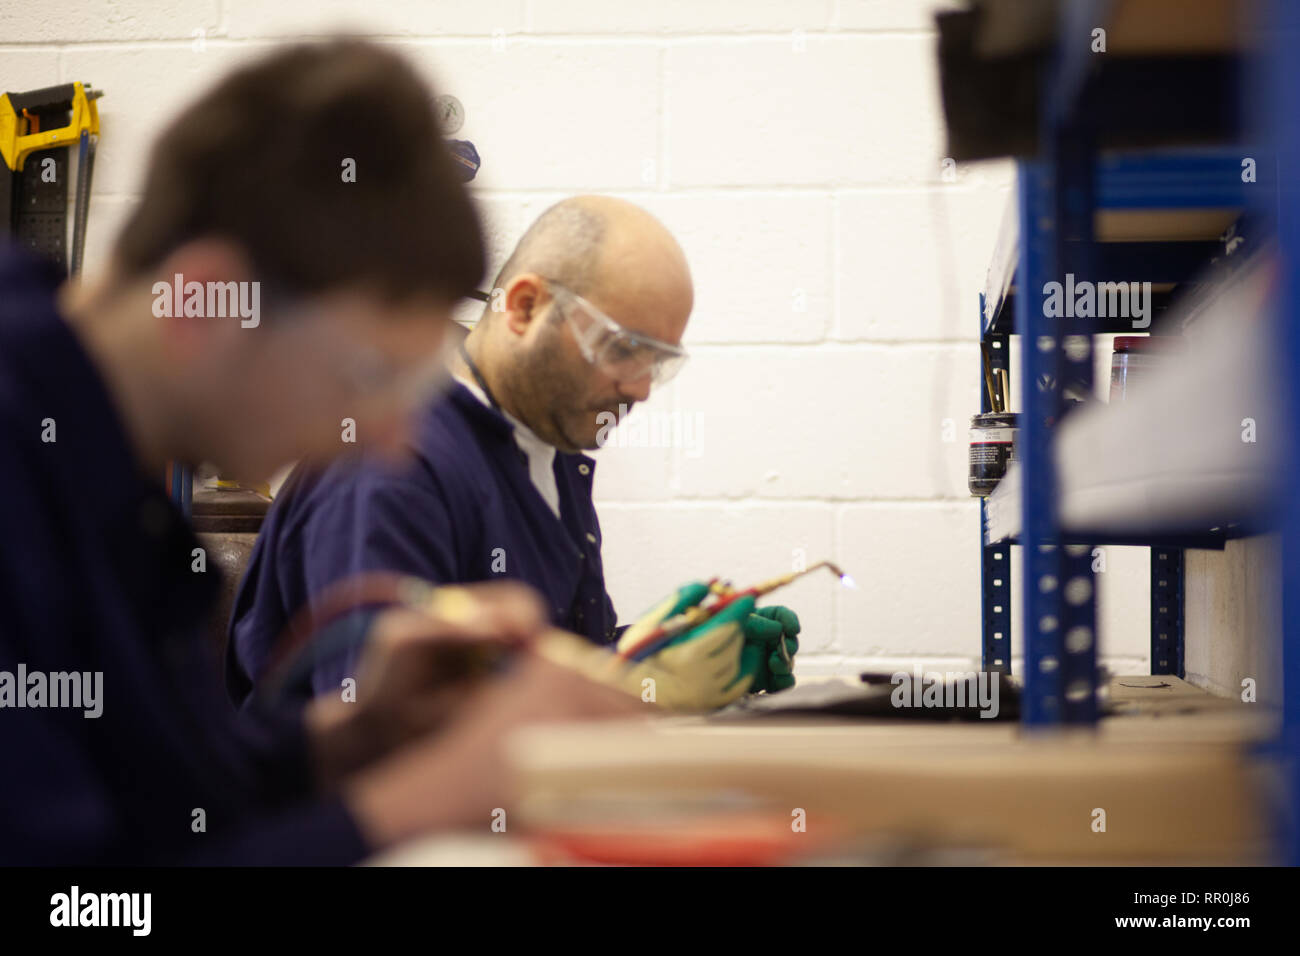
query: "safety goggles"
368, 373
362, 370
622, 355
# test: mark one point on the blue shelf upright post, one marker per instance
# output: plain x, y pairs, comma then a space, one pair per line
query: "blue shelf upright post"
1073, 154
995, 559
1043, 689
1167, 611
1283, 82
1056, 204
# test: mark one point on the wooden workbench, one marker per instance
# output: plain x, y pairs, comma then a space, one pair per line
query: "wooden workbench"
1172, 770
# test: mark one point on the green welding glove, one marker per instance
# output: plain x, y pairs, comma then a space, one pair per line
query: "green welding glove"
698, 670
771, 641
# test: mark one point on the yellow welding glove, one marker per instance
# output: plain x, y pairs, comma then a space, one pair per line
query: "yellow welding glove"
770, 637
701, 669
698, 671
685, 597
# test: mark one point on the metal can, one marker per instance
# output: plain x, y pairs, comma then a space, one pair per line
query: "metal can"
992, 445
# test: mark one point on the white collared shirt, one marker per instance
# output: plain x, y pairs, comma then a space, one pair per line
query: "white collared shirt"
540, 455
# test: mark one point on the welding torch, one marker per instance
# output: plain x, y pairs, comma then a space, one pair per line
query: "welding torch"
720, 596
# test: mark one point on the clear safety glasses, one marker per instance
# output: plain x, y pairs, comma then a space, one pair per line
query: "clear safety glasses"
622, 355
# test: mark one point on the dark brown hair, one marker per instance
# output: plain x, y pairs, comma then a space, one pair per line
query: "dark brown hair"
259, 160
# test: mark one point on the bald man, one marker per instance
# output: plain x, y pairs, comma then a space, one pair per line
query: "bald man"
586, 316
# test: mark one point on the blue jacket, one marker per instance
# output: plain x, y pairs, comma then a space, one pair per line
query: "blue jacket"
95, 576
462, 510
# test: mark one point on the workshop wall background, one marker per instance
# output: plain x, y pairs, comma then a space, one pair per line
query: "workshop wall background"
795, 147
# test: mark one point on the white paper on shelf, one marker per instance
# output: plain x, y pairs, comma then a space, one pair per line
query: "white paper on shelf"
1194, 445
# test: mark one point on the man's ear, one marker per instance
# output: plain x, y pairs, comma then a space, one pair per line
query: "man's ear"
203, 262
524, 295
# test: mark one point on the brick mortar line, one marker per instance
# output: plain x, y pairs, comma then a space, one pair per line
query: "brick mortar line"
684, 37
835, 504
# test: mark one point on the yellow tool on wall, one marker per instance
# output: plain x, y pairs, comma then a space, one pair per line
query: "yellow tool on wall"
25, 128
18, 112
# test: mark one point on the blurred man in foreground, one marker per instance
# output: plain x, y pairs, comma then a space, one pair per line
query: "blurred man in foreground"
117, 742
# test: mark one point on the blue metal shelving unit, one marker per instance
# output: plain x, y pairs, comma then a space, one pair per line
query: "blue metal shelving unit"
1057, 196
1056, 199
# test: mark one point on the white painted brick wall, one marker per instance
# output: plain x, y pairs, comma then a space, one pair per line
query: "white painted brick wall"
793, 146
